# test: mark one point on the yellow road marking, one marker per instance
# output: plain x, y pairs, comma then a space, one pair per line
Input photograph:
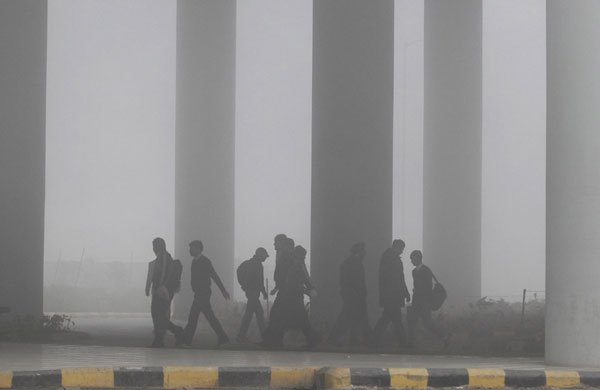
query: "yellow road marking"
88, 377
202, 377
409, 378
562, 378
486, 378
290, 377
5, 379
337, 377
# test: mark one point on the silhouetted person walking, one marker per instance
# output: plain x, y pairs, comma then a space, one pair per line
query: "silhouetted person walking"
273, 335
298, 284
393, 292
202, 273
283, 260
353, 289
162, 282
422, 296
251, 278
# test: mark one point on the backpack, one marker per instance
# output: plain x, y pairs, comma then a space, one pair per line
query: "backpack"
243, 273
438, 295
174, 277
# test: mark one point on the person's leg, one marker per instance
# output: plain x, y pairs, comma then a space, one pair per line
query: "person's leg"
381, 325
311, 336
171, 327
246, 318
341, 326
260, 316
396, 317
159, 319
214, 322
361, 318
190, 328
412, 318
273, 336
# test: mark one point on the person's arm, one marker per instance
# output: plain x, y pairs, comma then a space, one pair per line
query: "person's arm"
193, 276
382, 276
149, 278
262, 282
360, 281
307, 280
403, 283
218, 282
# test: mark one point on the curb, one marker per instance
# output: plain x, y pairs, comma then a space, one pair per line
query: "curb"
163, 377
294, 378
422, 378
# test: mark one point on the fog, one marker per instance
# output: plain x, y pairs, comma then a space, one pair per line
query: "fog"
111, 135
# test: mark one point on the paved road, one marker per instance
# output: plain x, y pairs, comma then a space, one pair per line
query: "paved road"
16, 356
117, 341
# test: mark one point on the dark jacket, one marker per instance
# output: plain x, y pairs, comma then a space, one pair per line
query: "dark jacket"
254, 280
423, 286
202, 273
283, 262
352, 280
156, 277
297, 282
392, 286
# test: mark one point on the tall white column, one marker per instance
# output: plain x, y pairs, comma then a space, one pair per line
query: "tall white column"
23, 25
452, 146
205, 135
573, 183
352, 161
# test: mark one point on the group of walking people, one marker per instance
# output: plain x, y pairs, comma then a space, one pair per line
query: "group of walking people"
393, 296
292, 283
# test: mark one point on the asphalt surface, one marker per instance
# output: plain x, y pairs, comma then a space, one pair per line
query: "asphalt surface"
121, 341
19, 356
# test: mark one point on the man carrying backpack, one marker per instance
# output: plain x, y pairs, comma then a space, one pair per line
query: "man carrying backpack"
422, 297
251, 278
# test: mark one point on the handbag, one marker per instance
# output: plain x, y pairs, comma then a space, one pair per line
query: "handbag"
438, 295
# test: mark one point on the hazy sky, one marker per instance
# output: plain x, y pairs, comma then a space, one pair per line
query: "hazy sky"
110, 130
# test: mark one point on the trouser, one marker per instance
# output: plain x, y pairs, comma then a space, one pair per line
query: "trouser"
161, 313
393, 314
202, 304
253, 307
297, 318
354, 315
424, 313
288, 313
273, 335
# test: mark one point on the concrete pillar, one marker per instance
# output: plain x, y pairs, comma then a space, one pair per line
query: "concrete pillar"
352, 161
205, 136
452, 146
23, 25
573, 183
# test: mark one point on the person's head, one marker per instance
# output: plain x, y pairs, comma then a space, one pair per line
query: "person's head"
261, 254
289, 244
279, 241
299, 254
196, 248
416, 258
398, 246
358, 250
159, 246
